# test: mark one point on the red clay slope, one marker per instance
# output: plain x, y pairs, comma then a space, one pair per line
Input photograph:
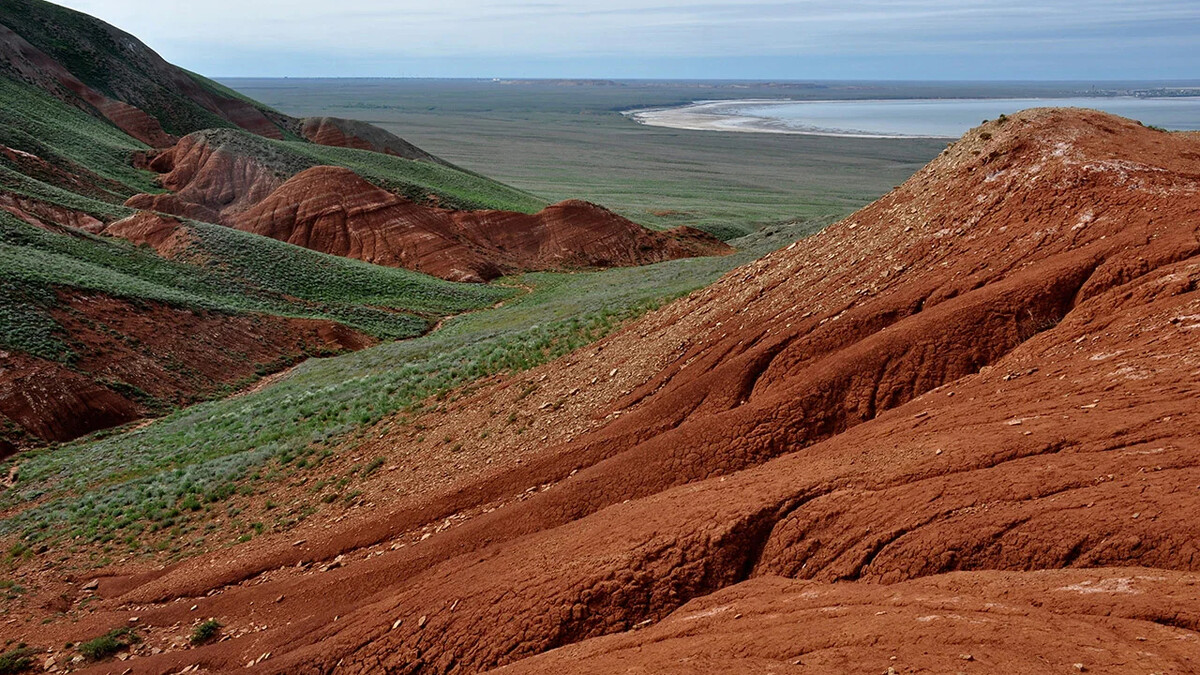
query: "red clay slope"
333, 210
208, 180
123, 352
957, 432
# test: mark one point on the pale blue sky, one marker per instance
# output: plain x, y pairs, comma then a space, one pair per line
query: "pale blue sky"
808, 39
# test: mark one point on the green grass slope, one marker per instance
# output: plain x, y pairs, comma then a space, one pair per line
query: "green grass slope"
417, 180
245, 273
68, 139
114, 63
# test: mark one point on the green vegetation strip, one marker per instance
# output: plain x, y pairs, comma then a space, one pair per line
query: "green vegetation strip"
240, 272
34, 122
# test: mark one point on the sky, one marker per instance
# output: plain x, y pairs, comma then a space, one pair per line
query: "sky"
805, 39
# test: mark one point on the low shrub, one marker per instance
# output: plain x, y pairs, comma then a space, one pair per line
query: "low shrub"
205, 631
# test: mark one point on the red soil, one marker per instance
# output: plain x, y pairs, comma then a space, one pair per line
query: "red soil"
46, 215
208, 182
121, 346
957, 432
331, 209
167, 236
48, 401
346, 133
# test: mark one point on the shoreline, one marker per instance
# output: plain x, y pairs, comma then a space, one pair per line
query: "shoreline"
722, 116
731, 115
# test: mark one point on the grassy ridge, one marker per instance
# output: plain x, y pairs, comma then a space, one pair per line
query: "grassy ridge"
34, 122
414, 179
245, 273
110, 61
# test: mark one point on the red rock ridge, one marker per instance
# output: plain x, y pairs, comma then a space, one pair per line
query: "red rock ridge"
331, 209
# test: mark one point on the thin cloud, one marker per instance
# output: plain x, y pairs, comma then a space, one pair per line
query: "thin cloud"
897, 33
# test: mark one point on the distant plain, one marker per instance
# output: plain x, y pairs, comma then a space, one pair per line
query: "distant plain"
563, 140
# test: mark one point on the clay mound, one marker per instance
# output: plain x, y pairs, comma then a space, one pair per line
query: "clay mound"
208, 178
344, 133
963, 420
331, 209
1047, 623
124, 360
578, 234
167, 236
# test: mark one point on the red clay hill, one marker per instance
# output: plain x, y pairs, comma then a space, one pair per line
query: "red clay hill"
333, 210
957, 432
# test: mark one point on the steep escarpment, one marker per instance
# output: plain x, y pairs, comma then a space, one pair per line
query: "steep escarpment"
332, 210
955, 432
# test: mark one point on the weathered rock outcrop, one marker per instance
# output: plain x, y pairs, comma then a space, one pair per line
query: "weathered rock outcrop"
167, 236
332, 210
208, 179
